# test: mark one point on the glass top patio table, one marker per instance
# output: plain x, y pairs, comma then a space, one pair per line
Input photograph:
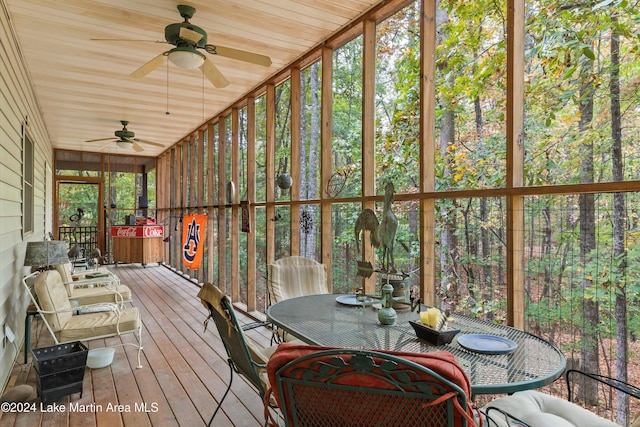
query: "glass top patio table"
321, 320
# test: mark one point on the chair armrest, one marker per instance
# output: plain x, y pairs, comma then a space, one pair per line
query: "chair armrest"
101, 306
622, 386
98, 281
254, 325
99, 274
96, 308
107, 306
91, 284
276, 338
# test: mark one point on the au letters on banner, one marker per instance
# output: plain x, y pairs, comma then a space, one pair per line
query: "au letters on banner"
193, 239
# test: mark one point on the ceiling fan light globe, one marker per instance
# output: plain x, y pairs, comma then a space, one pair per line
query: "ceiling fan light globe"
186, 58
126, 145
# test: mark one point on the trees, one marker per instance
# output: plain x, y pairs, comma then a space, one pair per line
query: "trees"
579, 128
581, 109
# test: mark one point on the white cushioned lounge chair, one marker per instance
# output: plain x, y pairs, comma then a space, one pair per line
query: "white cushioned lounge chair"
52, 302
84, 290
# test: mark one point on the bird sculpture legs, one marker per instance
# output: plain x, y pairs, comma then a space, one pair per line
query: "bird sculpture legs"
388, 263
388, 259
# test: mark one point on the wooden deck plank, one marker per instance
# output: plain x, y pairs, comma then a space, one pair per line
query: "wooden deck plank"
126, 388
186, 298
104, 392
149, 386
177, 305
184, 374
85, 417
184, 409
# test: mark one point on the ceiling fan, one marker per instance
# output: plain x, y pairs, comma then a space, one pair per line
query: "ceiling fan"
187, 39
126, 139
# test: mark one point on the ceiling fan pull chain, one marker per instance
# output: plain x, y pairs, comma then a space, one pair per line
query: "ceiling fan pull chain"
203, 97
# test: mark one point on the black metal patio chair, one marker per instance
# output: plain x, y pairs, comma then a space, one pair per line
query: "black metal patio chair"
243, 357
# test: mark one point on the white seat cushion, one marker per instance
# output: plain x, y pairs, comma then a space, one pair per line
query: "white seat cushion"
88, 326
543, 410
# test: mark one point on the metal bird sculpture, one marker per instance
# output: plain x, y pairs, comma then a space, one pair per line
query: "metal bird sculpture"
383, 233
74, 251
93, 259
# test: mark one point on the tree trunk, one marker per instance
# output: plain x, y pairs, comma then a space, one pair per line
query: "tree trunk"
485, 237
590, 352
619, 221
448, 282
472, 249
546, 251
311, 187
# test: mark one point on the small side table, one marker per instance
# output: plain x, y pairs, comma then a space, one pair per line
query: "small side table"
31, 311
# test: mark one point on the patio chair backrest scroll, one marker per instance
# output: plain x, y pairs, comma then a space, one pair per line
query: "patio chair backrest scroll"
295, 276
352, 387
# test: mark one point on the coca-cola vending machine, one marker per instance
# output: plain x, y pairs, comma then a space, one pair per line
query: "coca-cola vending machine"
137, 243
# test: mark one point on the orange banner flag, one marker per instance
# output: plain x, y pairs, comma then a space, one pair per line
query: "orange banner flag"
193, 229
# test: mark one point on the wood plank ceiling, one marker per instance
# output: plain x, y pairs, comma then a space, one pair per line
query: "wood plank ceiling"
84, 87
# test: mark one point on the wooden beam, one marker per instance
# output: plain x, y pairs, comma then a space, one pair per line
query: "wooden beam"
295, 160
200, 177
235, 223
211, 211
515, 162
222, 212
368, 140
191, 172
427, 151
326, 167
192, 168
175, 205
251, 196
165, 219
270, 171
200, 174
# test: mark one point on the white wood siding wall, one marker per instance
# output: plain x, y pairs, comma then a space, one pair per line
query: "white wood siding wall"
17, 104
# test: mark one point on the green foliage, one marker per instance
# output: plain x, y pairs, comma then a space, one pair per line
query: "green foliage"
78, 195
347, 116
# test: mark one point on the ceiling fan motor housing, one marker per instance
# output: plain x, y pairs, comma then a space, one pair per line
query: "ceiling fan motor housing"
124, 134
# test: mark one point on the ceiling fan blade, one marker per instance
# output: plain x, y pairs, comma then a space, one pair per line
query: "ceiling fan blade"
188, 34
214, 75
240, 55
144, 141
129, 40
99, 139
150, 66
136, 147
106, 145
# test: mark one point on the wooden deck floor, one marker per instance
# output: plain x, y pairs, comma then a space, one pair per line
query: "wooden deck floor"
184, 372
